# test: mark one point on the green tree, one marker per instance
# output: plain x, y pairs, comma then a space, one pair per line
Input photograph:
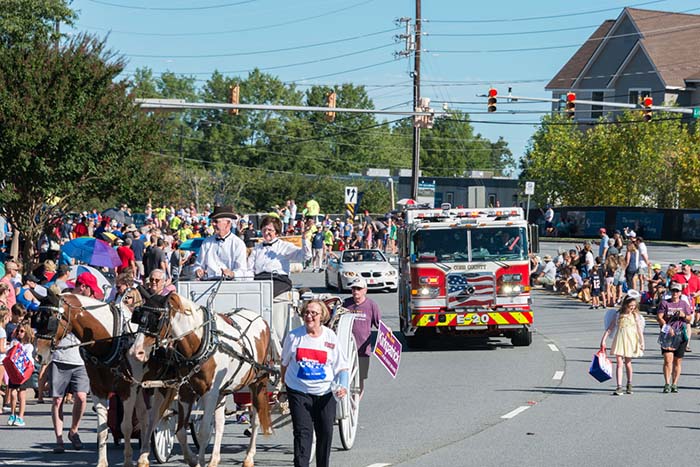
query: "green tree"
66, 127
24, 21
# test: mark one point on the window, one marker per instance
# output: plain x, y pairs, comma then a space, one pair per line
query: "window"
492, 200
597, 110
449, 197
636, 95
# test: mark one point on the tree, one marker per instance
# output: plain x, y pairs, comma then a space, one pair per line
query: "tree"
66, 128
24, 21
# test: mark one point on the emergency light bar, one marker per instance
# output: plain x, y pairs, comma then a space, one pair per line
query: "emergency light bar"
423, 215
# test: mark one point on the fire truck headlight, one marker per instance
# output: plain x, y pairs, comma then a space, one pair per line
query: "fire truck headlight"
430, 292
349, 273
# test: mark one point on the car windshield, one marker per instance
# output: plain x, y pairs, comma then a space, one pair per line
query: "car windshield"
459, 245
362, 256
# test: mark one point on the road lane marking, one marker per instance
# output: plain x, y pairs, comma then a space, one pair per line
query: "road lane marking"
378, 465
515, 412
553, 348
22, 461
558, 375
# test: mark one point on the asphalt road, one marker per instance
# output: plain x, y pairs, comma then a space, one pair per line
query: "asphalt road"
475, 403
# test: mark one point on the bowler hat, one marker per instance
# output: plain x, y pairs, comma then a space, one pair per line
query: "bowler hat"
223, 212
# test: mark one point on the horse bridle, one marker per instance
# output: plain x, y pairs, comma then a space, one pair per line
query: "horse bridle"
57, 317
152, 320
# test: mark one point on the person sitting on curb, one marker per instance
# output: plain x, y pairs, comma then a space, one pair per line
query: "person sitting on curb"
548, 275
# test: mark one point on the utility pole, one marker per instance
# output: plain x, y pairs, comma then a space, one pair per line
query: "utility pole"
416, 103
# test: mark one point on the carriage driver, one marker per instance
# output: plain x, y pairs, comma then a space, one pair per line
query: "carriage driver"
222, 254
271, 257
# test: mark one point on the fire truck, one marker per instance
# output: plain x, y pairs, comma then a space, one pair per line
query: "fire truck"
465, 272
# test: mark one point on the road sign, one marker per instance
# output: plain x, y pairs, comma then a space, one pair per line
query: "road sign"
350, 194
696, 112
529, 188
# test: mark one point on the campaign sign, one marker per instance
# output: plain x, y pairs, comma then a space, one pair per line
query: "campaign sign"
388, 349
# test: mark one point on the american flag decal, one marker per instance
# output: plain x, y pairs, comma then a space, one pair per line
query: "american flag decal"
470, 290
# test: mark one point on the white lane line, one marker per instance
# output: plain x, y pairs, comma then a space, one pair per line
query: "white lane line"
553, 348
378, 465
558, 375
20, 461
515, 412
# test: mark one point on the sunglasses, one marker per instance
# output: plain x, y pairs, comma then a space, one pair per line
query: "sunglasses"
312, 313
156, 280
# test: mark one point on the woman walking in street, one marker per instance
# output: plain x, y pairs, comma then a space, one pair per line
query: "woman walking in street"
673, 314
628, 342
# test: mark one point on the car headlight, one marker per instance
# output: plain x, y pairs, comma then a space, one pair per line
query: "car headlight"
391, 272
349, 273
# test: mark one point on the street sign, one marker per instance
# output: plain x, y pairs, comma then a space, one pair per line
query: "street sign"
350, 194
529, 188
696, 112
388, 349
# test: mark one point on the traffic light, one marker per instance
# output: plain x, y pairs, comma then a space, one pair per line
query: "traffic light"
570, 104
234, 98
647, 102
330, 102
492, 100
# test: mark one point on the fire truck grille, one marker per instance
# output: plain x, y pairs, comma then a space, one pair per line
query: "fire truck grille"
470, 289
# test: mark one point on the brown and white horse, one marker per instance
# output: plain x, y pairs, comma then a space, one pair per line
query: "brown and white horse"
93, 322
209, 356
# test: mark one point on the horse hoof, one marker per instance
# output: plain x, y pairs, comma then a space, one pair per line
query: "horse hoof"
248, 462
143, 464
102, 464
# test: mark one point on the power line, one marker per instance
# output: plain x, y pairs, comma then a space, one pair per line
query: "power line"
536, 18
192, 8
653, 32
258, 52
230, 31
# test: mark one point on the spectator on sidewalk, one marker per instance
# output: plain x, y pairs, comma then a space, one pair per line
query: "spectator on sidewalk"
673, 315
548, 275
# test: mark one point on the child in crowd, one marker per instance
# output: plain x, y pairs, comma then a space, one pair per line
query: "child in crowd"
596, 287
19, 312
610, 266
4, 318
24, 336
628, 341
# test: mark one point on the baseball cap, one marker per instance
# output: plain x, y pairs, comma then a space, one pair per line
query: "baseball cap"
88, 279
656, 266
358, 282
675, 286
602, 230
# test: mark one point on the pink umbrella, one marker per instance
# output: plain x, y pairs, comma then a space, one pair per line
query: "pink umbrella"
406, 202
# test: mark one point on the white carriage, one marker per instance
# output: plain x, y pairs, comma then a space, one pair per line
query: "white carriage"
282, 315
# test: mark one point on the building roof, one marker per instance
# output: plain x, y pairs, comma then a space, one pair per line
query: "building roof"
573, 68
671, 40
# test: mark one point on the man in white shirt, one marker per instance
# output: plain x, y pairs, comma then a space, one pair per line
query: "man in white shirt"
272, 257
549, 272
222, 254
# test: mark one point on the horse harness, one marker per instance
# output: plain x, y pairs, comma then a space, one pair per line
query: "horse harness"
151, 321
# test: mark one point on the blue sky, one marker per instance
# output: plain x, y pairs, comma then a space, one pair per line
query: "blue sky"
467, 45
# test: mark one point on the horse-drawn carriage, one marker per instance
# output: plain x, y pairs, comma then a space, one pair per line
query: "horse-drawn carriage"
231, 298
212, 321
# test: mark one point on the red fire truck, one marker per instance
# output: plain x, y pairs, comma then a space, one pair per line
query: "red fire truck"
465, 271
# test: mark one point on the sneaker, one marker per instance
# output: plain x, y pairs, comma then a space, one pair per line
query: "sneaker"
11, 420
667, 388
75, 441
674, 388
618, 391
59, 449
629, 389
19, 421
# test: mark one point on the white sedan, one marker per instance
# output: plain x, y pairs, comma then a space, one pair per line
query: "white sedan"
371, 265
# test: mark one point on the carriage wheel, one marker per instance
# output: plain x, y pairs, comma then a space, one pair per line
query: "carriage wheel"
349, 407
163, 438
348, 425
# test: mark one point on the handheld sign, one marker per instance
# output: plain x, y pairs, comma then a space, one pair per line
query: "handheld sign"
388, 349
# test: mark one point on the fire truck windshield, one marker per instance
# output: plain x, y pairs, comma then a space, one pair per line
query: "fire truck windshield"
466, 245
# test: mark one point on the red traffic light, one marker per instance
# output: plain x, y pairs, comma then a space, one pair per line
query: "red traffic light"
648, 101
570, 96
493, 92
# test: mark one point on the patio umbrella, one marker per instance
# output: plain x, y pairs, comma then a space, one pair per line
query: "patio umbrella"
193, 244
406, 202
92, 251
118, 215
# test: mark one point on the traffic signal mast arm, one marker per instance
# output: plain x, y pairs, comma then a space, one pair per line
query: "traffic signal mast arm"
181, 104
619, 105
